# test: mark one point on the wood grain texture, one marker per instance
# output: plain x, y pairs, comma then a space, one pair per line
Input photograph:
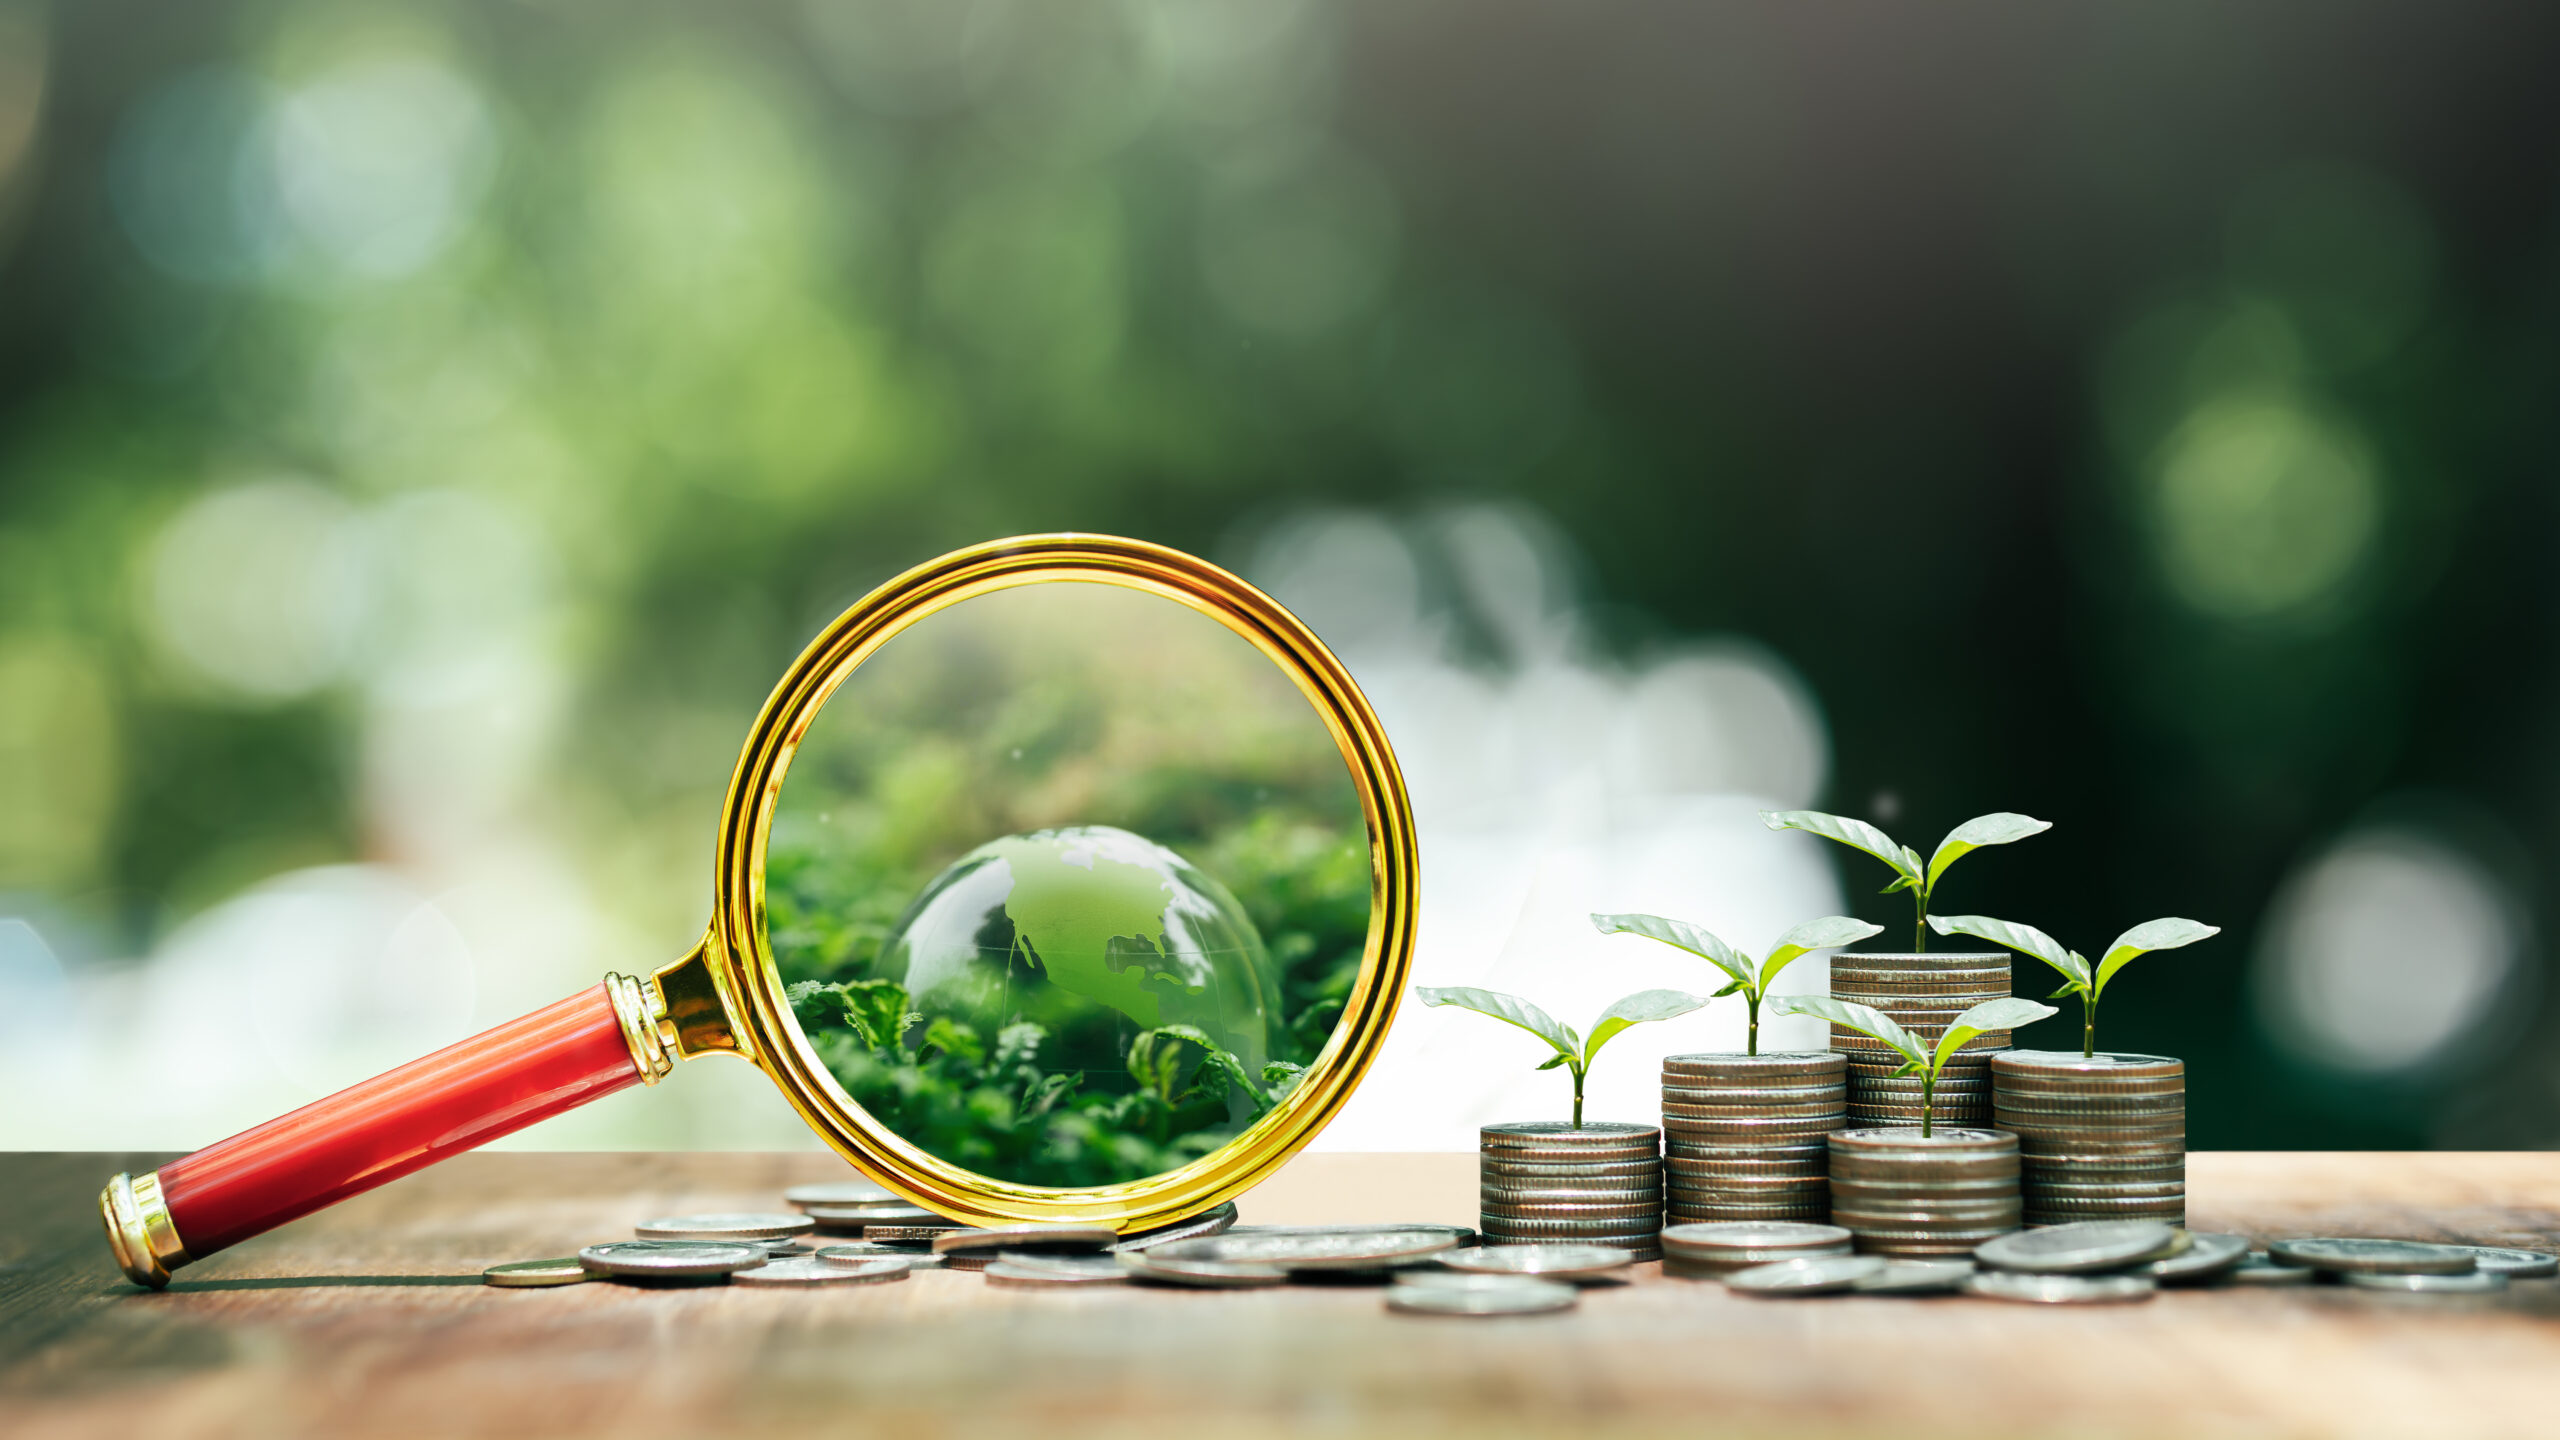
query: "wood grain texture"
369, 1319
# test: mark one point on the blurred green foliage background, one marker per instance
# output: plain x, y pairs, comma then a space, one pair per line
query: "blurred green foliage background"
426, 429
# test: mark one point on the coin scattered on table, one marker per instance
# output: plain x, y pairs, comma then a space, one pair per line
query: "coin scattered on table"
2514, 1264
1024, 1237
1811, 1275
1555, 1262
536, 1274
1038, 1277
2257, 1269
1712, 1250
1449, 1293
2080, 1248
1157, 1268
1051, 1262
811, 1271
854, 1217
1212, 1221
2053, 1289
863, 1253
915, 1232
2208, 1257
759, 1228
1318, 1250
671, 1259
2375, 1257
1917, 1277
838, 1192
2422, 1283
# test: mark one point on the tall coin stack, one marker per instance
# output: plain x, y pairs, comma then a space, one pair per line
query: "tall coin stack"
1924, 994
1743, 1136
2102, 1137
1902, 1195
1546, 1180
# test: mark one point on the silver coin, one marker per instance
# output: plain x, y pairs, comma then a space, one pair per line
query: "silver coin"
2209, 1257
1319, 1251
812, 1272
1917, 1277
838, 1192
536, 1274
1151, 1265
1556, 1262
2059, 1289
1050, 1262
2378, 1257
1007, 1273
1025, 1237
863, 1253
1458, 1234
1454, 1294
854, 1217
2081, 1248
2257, 1269
915, 1232
1214, 1220
762, 1227
2514, 1264
671, 1259
1805, 1275
2473, 1283
1753, 1235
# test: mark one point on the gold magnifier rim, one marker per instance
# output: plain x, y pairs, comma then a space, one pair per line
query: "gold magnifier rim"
740, 960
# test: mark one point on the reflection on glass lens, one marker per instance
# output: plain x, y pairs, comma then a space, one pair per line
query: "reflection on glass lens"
1068, 883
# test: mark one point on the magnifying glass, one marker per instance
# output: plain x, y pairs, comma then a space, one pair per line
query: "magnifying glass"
1063, 878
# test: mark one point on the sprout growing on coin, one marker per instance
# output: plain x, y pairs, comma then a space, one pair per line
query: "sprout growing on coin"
1909, 871
1927, 1062
2078, 976
1572, 1052
1748, 980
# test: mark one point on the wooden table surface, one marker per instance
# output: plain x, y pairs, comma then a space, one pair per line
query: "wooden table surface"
370, 1318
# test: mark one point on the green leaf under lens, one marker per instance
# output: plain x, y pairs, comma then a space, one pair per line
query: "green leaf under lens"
1637, 1009
1682, 935
2007, 1013
1826, 933
2025, 939
1865, 1019
2167, 933
1506, 1008
1856, 834
1999, 828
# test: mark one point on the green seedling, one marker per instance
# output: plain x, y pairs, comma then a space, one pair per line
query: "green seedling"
1749, 981
1572, 1052
2078, 977
2007, 1013
1909, 872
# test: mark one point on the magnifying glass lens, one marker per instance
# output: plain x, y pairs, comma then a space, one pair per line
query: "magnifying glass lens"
1068, 883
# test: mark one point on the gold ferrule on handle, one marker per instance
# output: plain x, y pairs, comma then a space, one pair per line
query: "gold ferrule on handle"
140, 1231
641, 1009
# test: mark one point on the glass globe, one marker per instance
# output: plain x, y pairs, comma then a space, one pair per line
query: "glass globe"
1095, 935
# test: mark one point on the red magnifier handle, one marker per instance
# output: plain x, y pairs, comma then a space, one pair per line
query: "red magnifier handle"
458, 1098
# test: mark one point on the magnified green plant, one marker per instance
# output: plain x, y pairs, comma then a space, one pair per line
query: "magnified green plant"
1572, 1052
2007, 1013
1749, 981
1999, 828
2078, 978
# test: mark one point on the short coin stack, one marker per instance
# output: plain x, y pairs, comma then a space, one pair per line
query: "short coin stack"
1923, 993
1744, 1136
1907, 1196
2101, 1137
1709, 1252
1599, 1183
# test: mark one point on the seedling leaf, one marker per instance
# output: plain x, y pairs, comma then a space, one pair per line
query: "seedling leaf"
1999, 828
1856, 834
2167, 933
1636, 1009
1507, 1008
2026, 939
1864, 1019
2007, 1013
1681, 934
1812, 935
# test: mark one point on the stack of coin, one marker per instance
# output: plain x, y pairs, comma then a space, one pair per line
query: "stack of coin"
1904, 1195
2100, 1137
1923, 994
1706, 1252
1743, 1135
1599, 1183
